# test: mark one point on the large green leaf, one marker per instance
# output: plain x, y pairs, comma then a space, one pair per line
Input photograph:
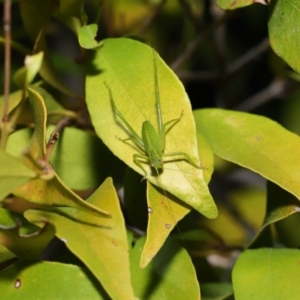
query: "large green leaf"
48, 280
170, 275
126, 66
101, 243
283, 31
267, 274
13, 173
254, 142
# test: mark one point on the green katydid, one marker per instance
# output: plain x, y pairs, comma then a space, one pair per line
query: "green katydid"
151, 146
151, 143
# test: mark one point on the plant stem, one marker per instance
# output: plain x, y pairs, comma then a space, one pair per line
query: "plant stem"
7, 58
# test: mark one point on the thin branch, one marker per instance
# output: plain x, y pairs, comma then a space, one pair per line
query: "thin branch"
250, 55
231, 69
193, 45
7, 56
50, 145
148, 22
54, 137
186, 7
275, 89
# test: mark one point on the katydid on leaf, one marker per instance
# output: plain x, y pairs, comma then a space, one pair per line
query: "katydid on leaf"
151, 143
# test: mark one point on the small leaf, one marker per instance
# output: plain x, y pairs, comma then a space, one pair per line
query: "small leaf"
13, 173
30, 280
26, 246
245, 139
170, 275
87, 37
234, 4
267, 274
26, 74
101, 243
126, 66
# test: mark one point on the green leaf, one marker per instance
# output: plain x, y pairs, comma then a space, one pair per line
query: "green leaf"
284, 37
14, 100
5, 254
233, 4
267, 274
170, 275
26, 246
30, 280
13, 173
26, 74
92, 162
87, 36
101, 243
164, 213
245, 139
127, 68
51, 191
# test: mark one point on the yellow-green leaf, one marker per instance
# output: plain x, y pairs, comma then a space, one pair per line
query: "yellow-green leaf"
164, 213
101, 243
87, 36
254, 142
126, 66
267, 274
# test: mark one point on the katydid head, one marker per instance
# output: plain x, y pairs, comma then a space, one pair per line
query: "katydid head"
157, 163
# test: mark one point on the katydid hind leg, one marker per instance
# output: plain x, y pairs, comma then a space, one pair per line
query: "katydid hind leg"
172, 123
185, 157
161, 127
